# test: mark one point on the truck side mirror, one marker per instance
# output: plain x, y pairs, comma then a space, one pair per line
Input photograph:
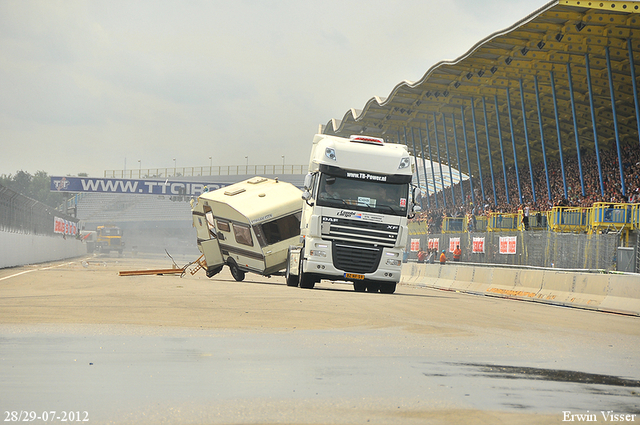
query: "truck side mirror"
306, 195
307, 182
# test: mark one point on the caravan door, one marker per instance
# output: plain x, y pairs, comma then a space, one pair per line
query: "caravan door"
203, 221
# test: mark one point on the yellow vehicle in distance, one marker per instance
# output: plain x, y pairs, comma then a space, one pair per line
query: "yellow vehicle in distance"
109, 238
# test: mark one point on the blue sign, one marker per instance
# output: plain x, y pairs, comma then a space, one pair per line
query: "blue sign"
131, 186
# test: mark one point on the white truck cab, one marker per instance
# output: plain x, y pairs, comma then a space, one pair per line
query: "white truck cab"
354, 217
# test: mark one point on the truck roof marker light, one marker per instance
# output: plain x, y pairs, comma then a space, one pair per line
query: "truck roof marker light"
404, 163
330, 153
367, 140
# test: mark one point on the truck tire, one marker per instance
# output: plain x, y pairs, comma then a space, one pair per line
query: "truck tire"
306, 280
359, 286
373, 286
237, 274
387, 288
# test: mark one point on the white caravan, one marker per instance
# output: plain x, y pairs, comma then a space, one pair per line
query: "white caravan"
354, 217
248, 226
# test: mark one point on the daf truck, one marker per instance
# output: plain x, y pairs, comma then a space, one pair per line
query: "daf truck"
356, 200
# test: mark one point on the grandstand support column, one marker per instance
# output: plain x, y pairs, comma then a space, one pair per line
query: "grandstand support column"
526, 139
504, 167
593, 121
575, 126
544, 151
513, 144
446, 144
415, 155
486, 131
424, 168
466, 150
435, 131
455, 141
433, 174
555, 110
475, 134
634, 84
615, 121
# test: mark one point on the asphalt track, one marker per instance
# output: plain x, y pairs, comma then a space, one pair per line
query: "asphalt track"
76, 337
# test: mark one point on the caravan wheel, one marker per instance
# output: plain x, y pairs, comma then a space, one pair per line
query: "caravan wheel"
237, 274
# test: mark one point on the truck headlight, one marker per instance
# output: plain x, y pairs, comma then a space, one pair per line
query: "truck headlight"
317, 253
404, 163
392, 262
330, 153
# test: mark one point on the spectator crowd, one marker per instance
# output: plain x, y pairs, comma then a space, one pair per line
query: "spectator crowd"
611, 187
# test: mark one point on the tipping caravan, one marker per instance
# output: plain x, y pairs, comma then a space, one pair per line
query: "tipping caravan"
357, 198
248, 226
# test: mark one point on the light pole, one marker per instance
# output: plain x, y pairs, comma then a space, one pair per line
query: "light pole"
282, 164
210, 165
174, 167
246, 165
139, 169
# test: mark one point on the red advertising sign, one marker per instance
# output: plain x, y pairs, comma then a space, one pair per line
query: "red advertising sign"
64, 227
434, 244
415, 245
478, 245
508, 244
453, 243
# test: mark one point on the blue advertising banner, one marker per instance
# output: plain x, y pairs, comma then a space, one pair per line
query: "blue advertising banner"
132, 186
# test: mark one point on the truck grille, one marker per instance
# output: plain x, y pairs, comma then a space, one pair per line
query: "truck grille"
356, 259
359, 232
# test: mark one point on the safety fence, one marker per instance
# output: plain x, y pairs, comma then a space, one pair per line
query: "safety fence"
21, 214
213, 170
600, 218
542, 249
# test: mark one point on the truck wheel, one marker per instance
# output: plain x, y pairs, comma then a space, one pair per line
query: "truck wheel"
307, 281
387, 288
373, 286
237, 274
359, 286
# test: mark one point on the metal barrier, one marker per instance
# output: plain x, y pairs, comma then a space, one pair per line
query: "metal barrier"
214, 170
21, 214
575, 220
454, 225
418, 228
499, 222
542, 249
607, 217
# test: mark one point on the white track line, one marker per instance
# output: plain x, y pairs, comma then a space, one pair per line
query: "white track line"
34, 270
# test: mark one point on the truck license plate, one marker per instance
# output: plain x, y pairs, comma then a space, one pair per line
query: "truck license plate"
354, 276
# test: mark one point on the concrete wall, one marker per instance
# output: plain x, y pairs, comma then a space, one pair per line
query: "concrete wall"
17, 249
619, 293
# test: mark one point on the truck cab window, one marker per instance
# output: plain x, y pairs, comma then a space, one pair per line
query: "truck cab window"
363, 195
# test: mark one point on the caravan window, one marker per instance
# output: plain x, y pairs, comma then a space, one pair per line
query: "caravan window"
278, 230
223, 225
242, 234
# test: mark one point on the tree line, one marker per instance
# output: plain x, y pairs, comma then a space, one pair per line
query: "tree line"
36, 186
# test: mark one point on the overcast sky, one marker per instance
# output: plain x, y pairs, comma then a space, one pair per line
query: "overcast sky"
87, 86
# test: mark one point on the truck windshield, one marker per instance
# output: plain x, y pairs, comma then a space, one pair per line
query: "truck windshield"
363, 195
